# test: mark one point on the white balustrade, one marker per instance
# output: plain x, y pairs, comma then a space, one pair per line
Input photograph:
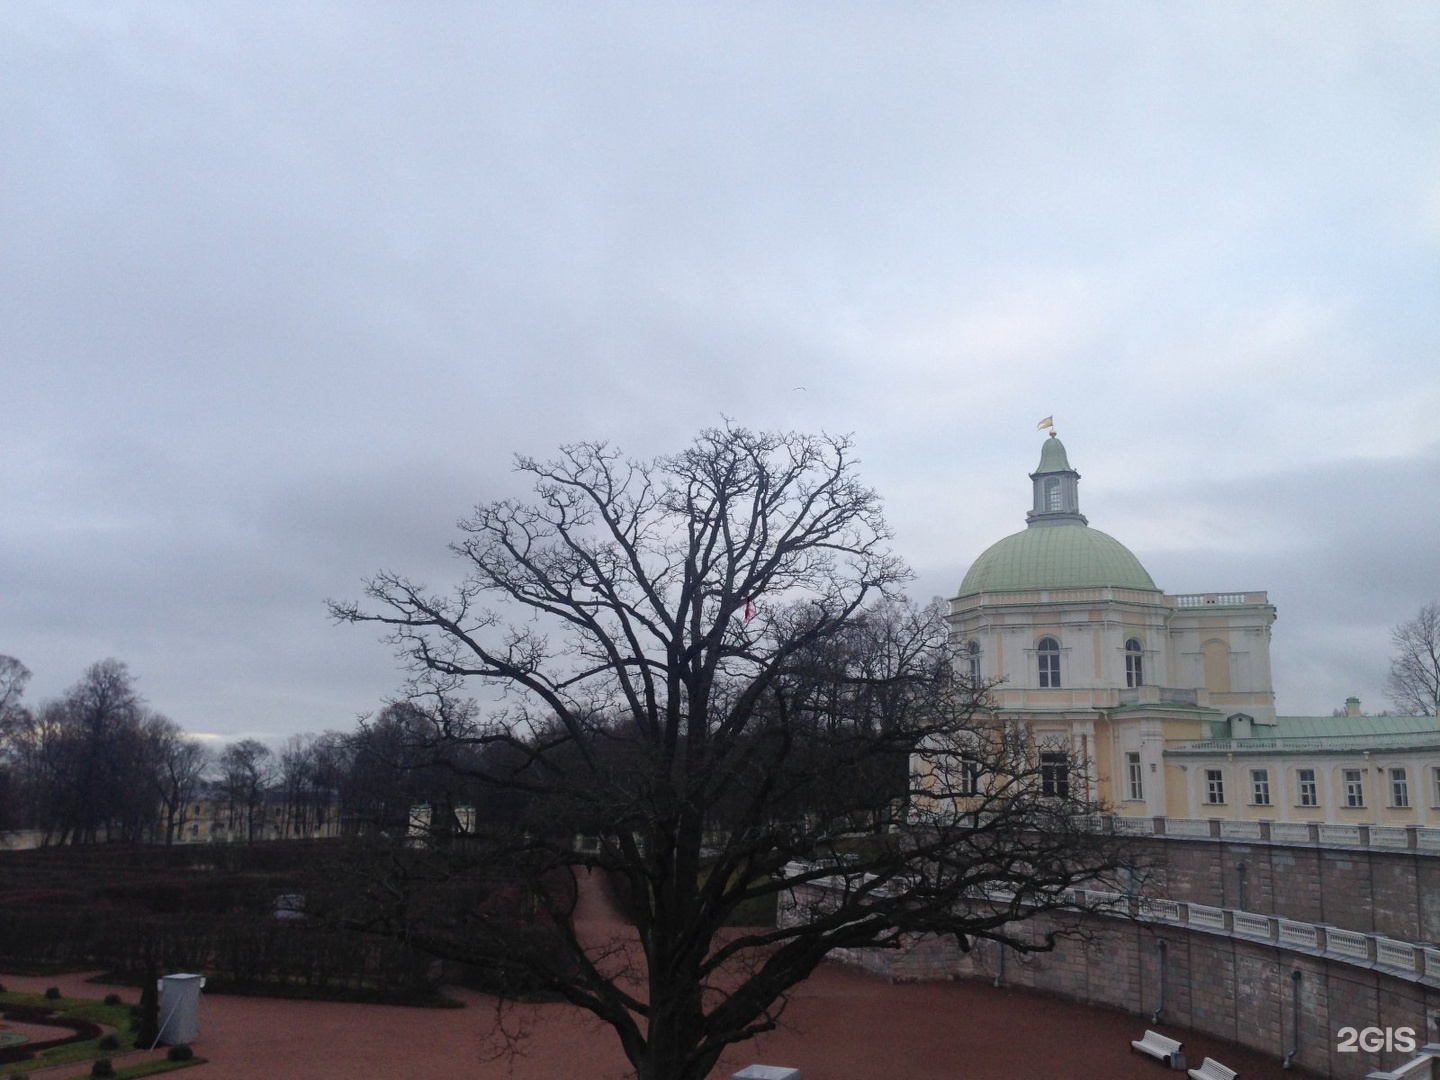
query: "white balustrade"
1395, 954
1187, 827
1302, 935
1240, 830
1389, 836
1432, 961
1290, 832
1347, 943
1166, 910
1205, 915
1248, 924
1130, 826
1344, 835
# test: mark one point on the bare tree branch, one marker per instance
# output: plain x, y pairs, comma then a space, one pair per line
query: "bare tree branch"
712, 675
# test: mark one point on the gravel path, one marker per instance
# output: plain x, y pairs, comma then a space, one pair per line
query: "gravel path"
841, 1025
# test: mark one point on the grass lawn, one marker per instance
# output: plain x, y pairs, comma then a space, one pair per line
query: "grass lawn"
96, 1012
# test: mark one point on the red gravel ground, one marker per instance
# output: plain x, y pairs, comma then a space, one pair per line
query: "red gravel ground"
841, 1025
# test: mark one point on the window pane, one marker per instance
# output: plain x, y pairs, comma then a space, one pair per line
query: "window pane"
1134, 670
1214, 786
1055, 773
1399, 788
1049, 659
1136, 777
1260, 786
1309, 791
1354, 788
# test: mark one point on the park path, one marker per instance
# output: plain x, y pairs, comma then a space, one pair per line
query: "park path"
841, 1025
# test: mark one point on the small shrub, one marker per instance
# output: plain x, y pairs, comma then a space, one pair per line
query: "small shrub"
112, 999
179, 1052
102, 1068
109, 1042
53, 994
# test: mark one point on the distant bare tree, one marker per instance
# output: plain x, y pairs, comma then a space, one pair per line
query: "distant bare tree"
247, 773
91, 762
178, 765
13, 677
1414, 681
13, 716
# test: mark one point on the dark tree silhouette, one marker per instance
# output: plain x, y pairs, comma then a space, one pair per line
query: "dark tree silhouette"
705, 668
1414, 681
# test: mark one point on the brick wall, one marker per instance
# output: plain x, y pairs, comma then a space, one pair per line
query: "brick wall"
1395, 893
1234, 988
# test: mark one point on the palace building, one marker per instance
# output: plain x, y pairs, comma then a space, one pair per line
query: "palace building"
1167, 700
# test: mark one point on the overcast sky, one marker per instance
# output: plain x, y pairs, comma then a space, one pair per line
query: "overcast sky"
284, 287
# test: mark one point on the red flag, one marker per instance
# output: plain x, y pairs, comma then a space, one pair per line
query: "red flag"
749, 610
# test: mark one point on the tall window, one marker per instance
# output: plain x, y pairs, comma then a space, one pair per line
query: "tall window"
1214, 787
1134, 663
1052, 493
1399, 788
972, 659
1260, 787
969, 775
1136, 776
1435, 783
1049, 653
1308, 790
1354, 788
1055, 773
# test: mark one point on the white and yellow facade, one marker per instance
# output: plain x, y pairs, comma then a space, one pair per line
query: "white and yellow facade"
1167, 700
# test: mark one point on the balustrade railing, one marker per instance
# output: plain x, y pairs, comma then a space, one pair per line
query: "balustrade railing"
1205, 915
1249, 924
1396, 954
1347, 943
1289, 832
1402, 959
1421, 838
1340, 835
1301, 935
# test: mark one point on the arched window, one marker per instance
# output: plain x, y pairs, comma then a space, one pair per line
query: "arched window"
972, 659
1134, 663
1049, 653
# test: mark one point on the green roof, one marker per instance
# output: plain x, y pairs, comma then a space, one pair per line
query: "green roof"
1306, 727
1052, 457
1056, 557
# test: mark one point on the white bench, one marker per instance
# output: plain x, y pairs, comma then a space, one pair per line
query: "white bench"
1210, 1069
1161, 1047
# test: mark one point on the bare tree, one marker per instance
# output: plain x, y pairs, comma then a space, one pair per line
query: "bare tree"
247, 774
13, 719
87, 761
1414, 681
705, 664
178, 764
13, 677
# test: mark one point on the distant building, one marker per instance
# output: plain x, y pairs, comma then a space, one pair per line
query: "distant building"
212, 818
1167, 701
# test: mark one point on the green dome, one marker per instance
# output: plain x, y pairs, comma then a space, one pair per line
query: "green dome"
1052, 457
1056, 557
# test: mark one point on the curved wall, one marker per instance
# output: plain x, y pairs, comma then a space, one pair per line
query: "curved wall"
1206, 962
